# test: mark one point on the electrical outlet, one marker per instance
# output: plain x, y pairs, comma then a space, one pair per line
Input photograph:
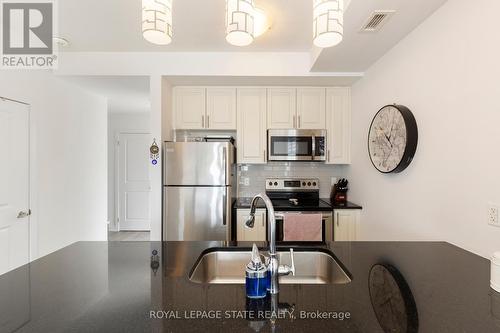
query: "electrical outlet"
333, 180
247, 181
493, 215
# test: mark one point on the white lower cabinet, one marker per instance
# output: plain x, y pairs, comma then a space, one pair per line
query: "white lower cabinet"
346, 224
255, 234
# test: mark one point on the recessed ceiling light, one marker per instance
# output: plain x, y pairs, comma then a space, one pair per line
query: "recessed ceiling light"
60, 41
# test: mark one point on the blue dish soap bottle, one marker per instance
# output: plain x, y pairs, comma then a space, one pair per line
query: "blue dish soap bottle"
256, 276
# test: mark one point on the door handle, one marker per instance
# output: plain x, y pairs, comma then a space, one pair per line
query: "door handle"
208, 121
22, 214
224, 208
202, 121
298, 122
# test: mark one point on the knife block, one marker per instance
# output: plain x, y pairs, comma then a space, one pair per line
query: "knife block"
338, 196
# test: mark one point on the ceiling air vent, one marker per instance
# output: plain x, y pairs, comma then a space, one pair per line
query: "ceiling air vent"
376, 20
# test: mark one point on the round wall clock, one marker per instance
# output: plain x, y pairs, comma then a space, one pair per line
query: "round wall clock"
392, 139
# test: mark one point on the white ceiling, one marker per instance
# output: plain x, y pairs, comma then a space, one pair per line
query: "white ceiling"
198, 25
359, 50
115, 26
125, 94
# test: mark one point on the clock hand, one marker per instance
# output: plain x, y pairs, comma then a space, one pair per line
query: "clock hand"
385, 135
390, 133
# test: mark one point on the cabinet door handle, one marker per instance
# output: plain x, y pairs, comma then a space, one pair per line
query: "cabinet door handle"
299, 122
328, 155
263, 220
208, 121
337, 219
293, 121
265, 157
202, 121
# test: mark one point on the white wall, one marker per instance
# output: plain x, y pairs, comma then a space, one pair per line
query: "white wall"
120, 122
446, 71
69, 158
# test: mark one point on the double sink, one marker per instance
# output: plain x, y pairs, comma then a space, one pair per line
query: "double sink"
227, 266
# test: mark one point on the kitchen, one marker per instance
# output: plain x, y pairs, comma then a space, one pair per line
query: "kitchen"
365, 173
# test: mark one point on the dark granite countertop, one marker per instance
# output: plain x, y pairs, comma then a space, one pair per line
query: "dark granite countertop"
244, 203
111, 287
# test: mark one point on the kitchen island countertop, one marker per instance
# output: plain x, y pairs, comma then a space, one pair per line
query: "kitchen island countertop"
123, 286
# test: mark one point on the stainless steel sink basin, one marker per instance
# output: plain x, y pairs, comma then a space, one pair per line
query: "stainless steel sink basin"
227, 266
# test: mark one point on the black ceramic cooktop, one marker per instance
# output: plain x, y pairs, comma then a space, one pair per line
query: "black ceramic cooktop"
125, 287
304, 205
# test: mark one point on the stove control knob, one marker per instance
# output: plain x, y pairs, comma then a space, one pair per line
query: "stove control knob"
309, 184
275, 183
303, 183
270, 183
314, 183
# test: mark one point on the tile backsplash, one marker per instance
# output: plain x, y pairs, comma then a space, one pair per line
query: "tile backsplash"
257, 174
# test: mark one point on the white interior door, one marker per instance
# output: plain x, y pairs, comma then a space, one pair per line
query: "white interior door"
14, 185
134, 182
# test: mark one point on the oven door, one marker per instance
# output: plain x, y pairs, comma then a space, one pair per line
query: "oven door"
290, 145
327, 221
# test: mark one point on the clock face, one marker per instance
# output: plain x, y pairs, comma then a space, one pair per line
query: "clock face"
388, 139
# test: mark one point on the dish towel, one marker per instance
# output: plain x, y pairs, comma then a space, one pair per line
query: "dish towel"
303, 227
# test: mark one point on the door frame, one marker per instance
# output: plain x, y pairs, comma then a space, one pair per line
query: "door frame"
32, 184
117, 172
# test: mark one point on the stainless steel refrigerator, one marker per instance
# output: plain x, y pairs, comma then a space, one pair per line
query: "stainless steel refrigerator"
197, 192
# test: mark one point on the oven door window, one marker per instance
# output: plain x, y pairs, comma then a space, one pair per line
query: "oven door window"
291, 146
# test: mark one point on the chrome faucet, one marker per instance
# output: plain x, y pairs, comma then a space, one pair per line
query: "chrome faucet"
274, 267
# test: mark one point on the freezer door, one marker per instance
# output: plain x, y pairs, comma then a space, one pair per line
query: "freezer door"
196, 213
197, 163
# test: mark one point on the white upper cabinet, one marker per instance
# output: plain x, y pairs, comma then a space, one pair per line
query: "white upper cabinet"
311, 111
189, 107
205, 108
281, 108
251, 131
338, 125
221, 108
301, 108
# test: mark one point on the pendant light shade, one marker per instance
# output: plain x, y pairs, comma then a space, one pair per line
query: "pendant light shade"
328, 22
157, 21
240, 22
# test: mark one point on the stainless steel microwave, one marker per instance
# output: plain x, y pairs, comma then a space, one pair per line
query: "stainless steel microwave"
296, 145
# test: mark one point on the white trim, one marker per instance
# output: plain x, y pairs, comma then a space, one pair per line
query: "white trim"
116, 223
33, 186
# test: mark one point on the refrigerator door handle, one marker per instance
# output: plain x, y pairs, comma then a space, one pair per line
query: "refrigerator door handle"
224, 163
224, 208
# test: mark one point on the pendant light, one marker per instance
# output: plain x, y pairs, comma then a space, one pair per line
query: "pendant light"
157, 21
240, 22
328, 22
